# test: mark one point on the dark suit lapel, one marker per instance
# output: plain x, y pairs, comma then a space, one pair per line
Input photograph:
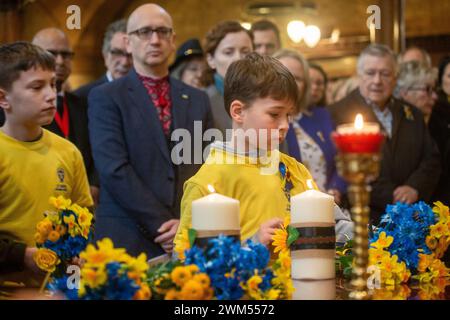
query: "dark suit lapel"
180, 103
397, 118
147, 110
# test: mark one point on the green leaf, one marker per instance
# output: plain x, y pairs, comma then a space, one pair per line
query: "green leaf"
293, 235
192, 234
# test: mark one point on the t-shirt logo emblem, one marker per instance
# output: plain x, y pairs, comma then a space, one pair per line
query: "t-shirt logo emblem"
60, 173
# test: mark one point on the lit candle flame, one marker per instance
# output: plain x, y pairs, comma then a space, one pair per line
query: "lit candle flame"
359, 122
309, 184
211, 188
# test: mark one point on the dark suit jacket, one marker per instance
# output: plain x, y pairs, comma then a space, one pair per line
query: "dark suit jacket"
410, 157
141, 186
78, 132
83, 91
2, 117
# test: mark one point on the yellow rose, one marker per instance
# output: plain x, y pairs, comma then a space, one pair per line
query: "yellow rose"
46, 259
143, 293
61, 229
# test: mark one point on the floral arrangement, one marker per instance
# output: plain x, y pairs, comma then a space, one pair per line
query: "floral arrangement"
108, 273
174, 281
236, 271
62, 235
408, 244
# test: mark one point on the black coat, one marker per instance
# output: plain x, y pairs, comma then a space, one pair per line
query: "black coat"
410, 157
83, 91
439, 125
78, 132
141, 186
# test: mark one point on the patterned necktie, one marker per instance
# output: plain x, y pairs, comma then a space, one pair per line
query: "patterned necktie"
159, 92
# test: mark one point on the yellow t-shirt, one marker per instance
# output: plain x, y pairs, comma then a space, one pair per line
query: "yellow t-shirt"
261, 196
32, 172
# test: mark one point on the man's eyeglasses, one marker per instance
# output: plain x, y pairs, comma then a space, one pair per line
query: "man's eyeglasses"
66, 55
372, 73
146, 33
117, 53
428, 89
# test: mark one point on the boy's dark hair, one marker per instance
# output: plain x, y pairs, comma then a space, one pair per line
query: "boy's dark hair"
263, 25
19, 57
256, 77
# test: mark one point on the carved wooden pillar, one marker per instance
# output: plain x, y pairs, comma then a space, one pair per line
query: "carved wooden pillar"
392, 32
10, 25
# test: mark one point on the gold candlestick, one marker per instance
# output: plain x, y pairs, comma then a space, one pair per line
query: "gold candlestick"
358, 169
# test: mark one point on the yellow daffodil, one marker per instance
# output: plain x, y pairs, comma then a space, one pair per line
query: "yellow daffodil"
442, 211
431, 242
254, 282
182, 244
383, 241
144, 293
60, 202
94, 277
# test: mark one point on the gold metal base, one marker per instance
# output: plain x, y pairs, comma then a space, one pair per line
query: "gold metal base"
358, 170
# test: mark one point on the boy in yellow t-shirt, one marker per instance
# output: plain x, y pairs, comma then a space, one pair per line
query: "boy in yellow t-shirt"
35, 164
260, 93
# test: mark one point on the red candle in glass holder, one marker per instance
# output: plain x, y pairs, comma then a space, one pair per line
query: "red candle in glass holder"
359, 137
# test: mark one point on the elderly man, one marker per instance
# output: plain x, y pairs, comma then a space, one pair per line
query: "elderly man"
70, 120
131, 121
414, 53
410, 165
266, 37
117, 60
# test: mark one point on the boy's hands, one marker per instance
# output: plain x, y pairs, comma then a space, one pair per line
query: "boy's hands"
167, 233
267, 230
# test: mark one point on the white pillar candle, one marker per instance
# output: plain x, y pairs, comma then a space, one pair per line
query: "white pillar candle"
215, 212
313, 209
314, 289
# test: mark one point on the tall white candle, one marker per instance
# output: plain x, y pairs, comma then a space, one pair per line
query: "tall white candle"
215, 212
314, 289
312, 209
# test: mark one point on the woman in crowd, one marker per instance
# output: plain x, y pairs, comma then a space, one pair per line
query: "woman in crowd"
319, 81
308, 137
415, 84
189, 63
440, 129
225, 43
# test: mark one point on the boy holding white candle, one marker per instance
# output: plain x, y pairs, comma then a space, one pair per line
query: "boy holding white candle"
259, 93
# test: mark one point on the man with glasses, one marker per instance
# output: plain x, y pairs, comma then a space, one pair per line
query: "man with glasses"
70, 120
131, 121
410, 164
117, 60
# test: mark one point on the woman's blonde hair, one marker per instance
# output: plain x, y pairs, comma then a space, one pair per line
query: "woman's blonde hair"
305, 96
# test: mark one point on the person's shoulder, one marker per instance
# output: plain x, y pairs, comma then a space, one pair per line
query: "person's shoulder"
59, 144
181, 86
410, 111
84, 90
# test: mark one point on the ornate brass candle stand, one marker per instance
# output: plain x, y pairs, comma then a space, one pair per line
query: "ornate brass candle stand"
358, 169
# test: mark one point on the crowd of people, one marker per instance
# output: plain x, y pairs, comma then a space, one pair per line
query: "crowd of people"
108, 145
